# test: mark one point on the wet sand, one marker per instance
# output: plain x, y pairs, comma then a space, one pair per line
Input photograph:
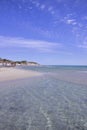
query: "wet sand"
13, 74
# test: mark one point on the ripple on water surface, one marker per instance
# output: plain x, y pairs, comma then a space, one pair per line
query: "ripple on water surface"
43, 103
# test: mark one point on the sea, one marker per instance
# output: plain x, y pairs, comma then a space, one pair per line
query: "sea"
56, 100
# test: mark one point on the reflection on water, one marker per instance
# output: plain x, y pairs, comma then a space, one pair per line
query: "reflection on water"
43, 103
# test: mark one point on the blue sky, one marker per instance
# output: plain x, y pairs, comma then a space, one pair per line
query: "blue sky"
49, 31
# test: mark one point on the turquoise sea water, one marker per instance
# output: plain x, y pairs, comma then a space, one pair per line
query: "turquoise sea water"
45, 102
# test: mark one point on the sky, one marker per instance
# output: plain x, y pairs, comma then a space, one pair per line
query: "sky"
51, 32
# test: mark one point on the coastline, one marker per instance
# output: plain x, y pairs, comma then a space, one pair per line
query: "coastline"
7, 74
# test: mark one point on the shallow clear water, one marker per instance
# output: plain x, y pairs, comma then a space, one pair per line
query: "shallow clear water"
54, 68
43, 103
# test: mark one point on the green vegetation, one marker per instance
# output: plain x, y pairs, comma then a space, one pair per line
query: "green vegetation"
6, 62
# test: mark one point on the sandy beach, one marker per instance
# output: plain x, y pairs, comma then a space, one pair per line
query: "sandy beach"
13, 74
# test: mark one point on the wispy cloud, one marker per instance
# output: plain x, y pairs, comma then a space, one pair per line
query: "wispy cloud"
71, 21
84, 17
42, 46
51, 10
84, 44
42, 7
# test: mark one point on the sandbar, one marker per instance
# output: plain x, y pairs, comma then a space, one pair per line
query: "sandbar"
10, 73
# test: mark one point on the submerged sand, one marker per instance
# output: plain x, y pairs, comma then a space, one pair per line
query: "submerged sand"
13, 74
78, 77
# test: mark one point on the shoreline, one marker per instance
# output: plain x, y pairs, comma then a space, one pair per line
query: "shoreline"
7, 74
